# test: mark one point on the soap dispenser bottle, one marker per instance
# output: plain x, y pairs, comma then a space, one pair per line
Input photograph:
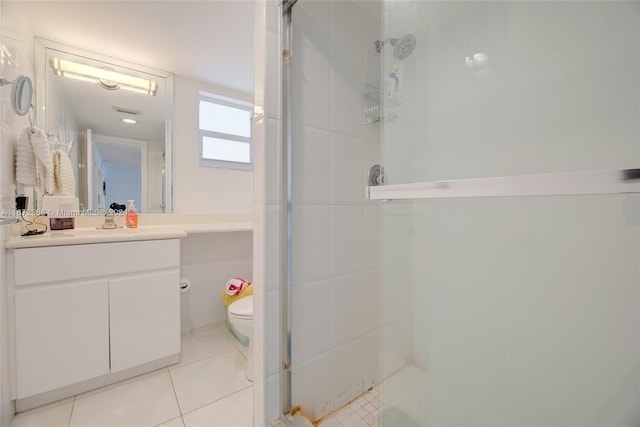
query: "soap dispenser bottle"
132, 216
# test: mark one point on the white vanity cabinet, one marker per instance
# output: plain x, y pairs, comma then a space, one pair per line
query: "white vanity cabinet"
88, 315
62, 335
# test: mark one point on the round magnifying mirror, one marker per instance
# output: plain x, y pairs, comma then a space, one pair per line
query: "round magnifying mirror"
21, 95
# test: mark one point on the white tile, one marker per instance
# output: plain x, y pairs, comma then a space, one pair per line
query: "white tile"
148, 402
311, 386
311, 164
235, 410
273, 150
347, 239
272, 332
347, 34
313, 25
348, 175
176, 422
347, 102
310, 329
371, 237
396, 345
347, 309
259, 159
206, 381
311, 87
371, 360
273, 397
272, 248
202, 343
273, 80
311, 243
55, 415
372, 296
346, 373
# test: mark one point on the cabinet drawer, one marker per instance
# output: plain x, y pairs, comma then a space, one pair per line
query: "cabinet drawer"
59, 263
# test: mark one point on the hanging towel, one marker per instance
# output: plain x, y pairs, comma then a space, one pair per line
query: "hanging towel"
44, 164
63, 180
25, 161
236, 285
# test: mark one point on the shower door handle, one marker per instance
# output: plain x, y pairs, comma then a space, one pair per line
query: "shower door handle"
630, 174
612, 181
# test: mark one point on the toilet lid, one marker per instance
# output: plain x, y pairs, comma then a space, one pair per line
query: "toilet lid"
243, 307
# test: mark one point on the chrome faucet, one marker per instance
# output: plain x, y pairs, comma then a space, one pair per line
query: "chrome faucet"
109, 223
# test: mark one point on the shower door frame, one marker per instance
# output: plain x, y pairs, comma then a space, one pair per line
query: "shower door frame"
286, 264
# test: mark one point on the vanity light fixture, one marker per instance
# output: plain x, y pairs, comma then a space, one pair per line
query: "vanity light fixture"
129, 121
107, 79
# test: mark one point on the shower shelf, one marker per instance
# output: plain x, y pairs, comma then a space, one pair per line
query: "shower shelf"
372, 116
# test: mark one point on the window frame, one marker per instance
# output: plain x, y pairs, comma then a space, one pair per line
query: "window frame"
202, 133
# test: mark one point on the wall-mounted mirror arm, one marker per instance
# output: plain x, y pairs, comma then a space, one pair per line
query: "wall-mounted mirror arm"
21, 95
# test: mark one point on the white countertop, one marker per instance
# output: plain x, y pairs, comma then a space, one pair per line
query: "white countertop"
169, 230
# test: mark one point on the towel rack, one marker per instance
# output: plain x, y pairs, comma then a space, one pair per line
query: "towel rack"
617, 181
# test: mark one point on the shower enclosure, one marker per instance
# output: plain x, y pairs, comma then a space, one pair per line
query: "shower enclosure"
490, 275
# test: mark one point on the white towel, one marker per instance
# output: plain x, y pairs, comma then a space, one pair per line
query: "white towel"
44, 165
25, 161
63, 180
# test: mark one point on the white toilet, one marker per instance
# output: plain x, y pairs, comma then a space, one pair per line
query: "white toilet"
241, 317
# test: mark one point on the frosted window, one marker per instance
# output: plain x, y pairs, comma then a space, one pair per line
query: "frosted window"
225, 119
225, 133
225, 150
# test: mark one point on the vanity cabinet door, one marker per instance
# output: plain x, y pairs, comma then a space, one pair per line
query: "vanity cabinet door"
62, 335
145, 318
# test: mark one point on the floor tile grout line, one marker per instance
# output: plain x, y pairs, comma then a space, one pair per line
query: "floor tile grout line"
217, 400
175, 393
73, 405
179, 366
113, 386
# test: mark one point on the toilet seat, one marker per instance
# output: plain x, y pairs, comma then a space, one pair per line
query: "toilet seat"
242, 308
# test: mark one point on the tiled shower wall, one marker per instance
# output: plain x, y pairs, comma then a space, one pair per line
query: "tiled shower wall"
335, 330
335, 229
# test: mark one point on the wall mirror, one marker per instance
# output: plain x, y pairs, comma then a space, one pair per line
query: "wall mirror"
113, 117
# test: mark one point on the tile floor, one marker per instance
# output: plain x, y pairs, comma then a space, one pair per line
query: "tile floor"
207, 388
361, 412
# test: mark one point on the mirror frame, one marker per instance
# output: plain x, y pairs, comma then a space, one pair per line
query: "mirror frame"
40, 45
19, 85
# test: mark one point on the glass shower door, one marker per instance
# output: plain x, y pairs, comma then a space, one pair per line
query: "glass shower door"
510, 214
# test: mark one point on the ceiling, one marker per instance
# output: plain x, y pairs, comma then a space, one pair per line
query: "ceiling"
211, 41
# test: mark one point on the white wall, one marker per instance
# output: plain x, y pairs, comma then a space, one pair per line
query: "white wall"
16, 36
124, 182
266, 216
335, 330
208, 261
197, 188
524, 310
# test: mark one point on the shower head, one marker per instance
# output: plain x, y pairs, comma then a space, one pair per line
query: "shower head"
402, 47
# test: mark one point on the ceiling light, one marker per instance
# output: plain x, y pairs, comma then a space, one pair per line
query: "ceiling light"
101, 76
130, 121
